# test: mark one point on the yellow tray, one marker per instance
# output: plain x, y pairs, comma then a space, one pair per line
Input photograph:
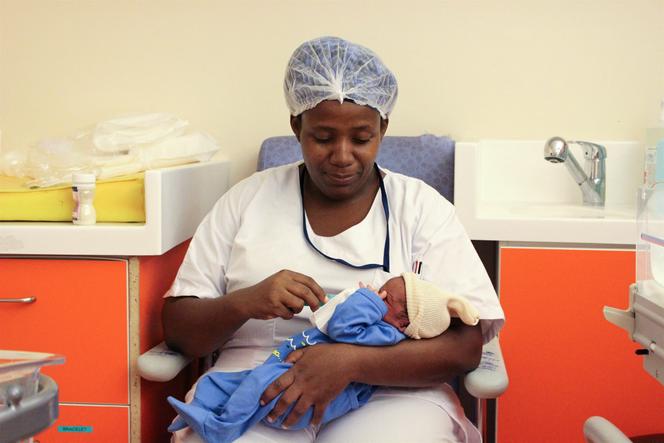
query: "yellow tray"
119, 199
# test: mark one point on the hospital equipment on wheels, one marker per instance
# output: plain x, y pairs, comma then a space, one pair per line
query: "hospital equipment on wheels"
28, 399
644, 318
431, 159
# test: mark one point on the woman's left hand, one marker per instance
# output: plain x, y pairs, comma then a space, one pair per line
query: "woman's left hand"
319, 374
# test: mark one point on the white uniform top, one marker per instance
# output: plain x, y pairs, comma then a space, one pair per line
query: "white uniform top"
255, 230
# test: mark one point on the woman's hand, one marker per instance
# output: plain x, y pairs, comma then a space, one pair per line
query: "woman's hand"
282, 294
318, 375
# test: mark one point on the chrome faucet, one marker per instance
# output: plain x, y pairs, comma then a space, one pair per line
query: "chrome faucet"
592, 182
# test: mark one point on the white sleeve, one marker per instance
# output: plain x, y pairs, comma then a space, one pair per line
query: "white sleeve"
450, 260
202, 273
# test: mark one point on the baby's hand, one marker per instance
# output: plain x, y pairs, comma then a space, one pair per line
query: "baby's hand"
381, 294
369, 287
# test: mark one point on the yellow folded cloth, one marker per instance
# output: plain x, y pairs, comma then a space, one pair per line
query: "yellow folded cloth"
118, 199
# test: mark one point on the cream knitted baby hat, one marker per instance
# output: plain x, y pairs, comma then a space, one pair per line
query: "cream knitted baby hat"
429, 308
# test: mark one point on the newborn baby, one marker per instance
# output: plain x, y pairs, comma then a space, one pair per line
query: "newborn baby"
415, 307
226, 404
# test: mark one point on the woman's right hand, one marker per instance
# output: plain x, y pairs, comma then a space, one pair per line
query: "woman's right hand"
282, 294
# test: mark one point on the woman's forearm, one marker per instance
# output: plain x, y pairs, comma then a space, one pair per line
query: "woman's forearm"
199, 326
419, 363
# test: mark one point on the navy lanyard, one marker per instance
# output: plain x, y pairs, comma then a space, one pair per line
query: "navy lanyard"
386, 209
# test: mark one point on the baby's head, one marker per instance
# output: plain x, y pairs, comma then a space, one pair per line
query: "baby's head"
393, 293
419, 309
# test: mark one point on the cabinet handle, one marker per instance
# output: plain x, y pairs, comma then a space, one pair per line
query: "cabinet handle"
19, 300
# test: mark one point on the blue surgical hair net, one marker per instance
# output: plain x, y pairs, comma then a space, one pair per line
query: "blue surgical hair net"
330, 68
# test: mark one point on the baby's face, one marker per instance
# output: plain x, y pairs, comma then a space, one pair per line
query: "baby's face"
397, 311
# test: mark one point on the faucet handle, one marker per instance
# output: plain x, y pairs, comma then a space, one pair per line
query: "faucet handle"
595, 155
591, 151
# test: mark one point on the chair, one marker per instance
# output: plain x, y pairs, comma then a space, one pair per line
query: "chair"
600, 430
431, 159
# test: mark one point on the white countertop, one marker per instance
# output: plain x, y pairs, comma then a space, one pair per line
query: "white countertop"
506, 191
176, 200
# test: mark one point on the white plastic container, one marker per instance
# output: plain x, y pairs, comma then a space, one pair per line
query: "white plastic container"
650, 168
650, 243
83, 189
654, 153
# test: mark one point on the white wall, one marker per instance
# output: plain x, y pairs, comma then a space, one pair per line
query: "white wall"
518, 69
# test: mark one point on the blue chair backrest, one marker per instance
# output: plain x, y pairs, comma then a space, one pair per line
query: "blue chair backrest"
427, 157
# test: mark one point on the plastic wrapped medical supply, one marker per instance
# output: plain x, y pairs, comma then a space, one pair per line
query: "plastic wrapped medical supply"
48, 162
330, 68
125, 133
115, 147
171, 151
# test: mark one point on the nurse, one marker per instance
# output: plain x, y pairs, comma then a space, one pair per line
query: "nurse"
281, 239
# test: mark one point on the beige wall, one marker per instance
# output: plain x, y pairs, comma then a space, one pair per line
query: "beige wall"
518, 69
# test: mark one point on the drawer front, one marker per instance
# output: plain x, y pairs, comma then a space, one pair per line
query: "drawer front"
88, 424
80, 312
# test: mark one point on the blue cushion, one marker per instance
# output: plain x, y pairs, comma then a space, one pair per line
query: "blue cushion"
427, 157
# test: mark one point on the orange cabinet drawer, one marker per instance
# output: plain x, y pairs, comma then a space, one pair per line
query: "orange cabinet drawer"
80, 312
88, 424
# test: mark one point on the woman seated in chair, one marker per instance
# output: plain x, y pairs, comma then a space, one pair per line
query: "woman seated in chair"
281, 239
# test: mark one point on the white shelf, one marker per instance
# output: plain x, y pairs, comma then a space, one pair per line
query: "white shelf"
176, 200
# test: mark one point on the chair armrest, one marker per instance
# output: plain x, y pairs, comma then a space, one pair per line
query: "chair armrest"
489, 380
161, 363
600, 430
